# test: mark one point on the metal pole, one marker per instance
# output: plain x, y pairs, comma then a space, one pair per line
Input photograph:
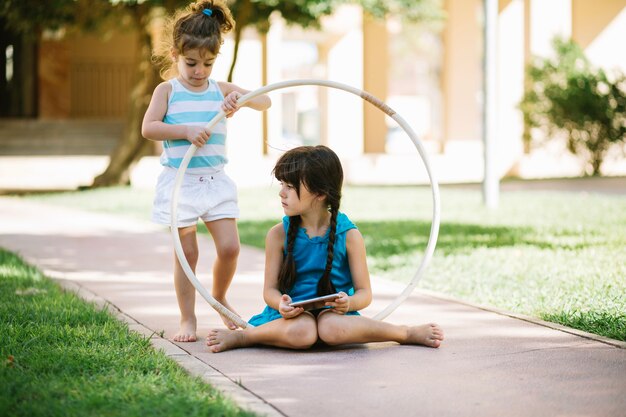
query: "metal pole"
490, 180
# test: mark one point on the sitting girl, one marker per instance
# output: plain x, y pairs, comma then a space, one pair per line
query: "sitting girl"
315, 251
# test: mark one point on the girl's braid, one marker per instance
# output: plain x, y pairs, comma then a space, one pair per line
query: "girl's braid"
325, 285
287, 274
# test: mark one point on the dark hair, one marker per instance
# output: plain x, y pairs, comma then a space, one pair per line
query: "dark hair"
198, 26
319, 170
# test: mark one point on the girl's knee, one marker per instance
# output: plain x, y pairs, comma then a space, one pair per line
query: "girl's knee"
330, 329
191, 254
302, 334
229, 251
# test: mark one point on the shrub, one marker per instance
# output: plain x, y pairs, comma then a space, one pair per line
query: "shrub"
567, 95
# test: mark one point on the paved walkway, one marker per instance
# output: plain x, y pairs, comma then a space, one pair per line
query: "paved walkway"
491, 363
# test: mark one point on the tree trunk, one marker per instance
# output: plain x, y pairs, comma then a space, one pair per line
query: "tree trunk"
235, 53
132, 146
597, 157
242, 17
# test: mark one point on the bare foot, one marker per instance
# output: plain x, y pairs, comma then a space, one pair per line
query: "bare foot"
187, 332
220, 340
228, 322
429, 335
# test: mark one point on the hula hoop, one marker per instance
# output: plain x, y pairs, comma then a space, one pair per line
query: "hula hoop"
434, 228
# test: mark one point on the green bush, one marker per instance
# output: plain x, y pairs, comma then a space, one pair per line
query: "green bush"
567, 95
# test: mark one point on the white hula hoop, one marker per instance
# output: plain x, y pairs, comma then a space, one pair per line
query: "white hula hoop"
434, 228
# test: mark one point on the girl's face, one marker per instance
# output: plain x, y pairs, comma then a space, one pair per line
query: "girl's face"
194, 68
294, 205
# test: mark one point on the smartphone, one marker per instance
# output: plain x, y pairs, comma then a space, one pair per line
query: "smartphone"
314, 303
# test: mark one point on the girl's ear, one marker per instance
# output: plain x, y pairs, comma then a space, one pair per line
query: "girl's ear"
175, 54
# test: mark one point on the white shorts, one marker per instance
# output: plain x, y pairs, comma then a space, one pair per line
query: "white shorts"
208, 197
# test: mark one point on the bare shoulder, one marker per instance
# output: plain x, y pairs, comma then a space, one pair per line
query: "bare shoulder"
354, 239
354, 236
164, 86
275, 240
276, 234
163, 90
157, 108
228, 88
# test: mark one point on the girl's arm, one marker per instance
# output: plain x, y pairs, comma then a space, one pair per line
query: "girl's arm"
154, 128
273, 261
274, 246
357, 259
232, 93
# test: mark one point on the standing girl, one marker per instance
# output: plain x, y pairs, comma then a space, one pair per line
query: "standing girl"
316, 250
177, 115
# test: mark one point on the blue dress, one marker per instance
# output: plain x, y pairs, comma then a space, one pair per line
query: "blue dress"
310, 257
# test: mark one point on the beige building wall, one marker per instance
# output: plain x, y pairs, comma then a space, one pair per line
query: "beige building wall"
103, 72
54, 79
87, 76
461, 75
600, 28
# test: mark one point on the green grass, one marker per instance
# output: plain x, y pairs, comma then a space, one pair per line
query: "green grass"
556, 256
60, 356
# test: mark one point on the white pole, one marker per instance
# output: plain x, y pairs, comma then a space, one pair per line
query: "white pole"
490, 180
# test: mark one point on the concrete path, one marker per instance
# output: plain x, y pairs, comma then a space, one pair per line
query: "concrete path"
491, 363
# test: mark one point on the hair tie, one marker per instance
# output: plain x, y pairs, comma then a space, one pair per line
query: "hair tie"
207, 12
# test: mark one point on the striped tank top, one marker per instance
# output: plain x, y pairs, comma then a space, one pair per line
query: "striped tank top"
191, 108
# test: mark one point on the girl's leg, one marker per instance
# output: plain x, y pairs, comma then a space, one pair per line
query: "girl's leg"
337, 329
185, 291
226, 239
297, 333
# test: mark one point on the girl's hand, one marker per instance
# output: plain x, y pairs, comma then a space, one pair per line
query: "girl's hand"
341, 304
287, 311
229, 105
198, 135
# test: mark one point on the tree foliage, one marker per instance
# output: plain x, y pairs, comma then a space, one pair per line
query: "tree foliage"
30, 17
409, 10
567, 95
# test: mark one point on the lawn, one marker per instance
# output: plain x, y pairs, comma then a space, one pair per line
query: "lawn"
554, 255
61, 356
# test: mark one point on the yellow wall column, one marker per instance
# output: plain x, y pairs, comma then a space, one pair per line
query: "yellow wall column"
461, 70
599, 27
264, 78
375, 73
526, 137
590, 19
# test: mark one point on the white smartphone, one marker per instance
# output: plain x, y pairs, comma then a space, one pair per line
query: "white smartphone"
314, 303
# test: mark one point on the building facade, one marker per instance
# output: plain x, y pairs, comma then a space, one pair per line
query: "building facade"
430, 74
